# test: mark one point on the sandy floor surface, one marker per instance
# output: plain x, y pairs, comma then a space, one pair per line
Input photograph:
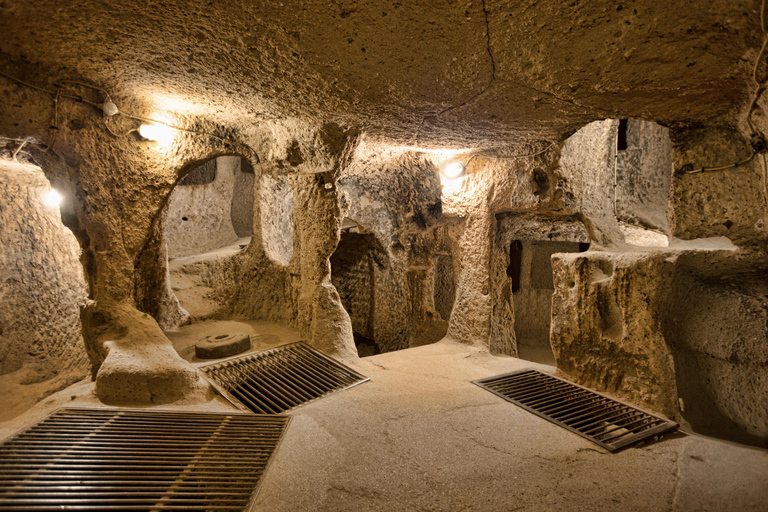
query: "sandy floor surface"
420, 436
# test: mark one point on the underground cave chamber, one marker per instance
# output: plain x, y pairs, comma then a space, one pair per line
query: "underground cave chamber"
390, 225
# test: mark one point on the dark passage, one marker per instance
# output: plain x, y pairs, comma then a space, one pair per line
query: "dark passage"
352, 273
530, 271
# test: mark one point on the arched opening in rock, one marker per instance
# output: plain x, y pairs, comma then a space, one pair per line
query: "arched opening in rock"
211, 208
643, 176
208, 218
619, 174
356, 265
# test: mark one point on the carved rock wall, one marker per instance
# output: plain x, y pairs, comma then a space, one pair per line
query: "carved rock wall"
43, 283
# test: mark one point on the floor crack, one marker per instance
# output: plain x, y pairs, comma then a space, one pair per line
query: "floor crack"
479, 443
676, 489
460, 407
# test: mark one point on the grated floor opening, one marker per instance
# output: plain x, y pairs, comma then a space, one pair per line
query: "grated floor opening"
119, 459
604, 421
280, 379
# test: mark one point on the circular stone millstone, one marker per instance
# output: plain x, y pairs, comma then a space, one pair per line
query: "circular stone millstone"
222, 345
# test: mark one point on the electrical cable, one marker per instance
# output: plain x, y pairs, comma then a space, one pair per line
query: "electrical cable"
61, 83
23, 143
58, 94
760, 85
78, 99
513, 157
117, 135
758, 142
722, 168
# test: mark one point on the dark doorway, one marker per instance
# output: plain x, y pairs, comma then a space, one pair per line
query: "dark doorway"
530, 271
352, 273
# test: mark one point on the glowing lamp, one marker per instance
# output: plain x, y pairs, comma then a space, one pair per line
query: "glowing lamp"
52, 198
157, 132
453, 170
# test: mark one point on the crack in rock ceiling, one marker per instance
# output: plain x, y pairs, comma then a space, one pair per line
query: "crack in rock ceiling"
420, 73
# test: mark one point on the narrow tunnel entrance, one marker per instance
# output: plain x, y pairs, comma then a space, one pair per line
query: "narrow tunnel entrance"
532, 286
353, 275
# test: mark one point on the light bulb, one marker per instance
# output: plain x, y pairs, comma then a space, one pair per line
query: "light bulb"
157, 132
453, 170
52, 198
109, 108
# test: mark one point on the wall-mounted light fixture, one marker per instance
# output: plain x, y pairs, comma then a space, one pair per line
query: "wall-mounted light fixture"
154, 130
453, 170
52, 198
160, 133
457, 169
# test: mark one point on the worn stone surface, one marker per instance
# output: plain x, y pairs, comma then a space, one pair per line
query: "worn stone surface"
588, 164
243, 196
720, 203
139, 365
718, 332
482, 72
276, 218
606, 324
154, 292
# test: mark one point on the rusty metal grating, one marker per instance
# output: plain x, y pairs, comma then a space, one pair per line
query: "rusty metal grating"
280, 379
119, 459
604, 421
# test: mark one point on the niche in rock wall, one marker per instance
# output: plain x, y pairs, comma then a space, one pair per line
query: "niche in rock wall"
444, 285
353, 273
532, 287
241, 209
276, 215
210, 209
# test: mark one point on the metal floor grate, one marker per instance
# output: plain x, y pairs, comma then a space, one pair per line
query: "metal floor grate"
604, 421
118, 459
280, 379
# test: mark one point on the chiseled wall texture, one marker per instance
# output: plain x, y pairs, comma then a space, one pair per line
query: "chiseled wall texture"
587, 164
644, 175
242, 200
275, 197
42, 282
718, 333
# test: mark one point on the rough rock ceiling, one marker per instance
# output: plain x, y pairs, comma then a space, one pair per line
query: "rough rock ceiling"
421, 73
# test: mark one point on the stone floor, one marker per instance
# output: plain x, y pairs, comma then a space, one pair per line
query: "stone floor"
419, 436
